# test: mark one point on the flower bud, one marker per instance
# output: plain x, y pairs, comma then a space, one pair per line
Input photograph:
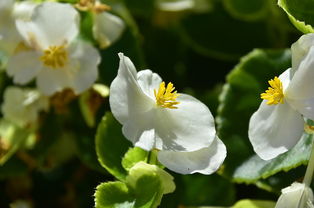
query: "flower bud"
298, 195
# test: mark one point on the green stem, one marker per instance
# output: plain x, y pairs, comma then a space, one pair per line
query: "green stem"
153, 157
310, 168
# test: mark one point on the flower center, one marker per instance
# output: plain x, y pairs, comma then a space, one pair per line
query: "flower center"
166, 97
274, 94
92, 5
55, 56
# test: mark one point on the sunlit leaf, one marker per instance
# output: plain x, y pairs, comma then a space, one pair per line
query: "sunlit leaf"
133, 156
111, 146
300, 13
255, 168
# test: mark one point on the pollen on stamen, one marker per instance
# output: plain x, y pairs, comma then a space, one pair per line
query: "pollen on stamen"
274, 94
55, 56
92, 5
166, 96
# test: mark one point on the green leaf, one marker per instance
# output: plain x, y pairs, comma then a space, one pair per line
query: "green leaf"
142, 168
255, 168
113, 195
247, 10
111, 146
249, 203
12, 138
144, 188
300, 13
240, 97
133, 156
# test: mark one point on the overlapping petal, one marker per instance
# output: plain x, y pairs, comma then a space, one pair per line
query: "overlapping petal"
300, 48
80, 72
127, 100
206, 160
58, 28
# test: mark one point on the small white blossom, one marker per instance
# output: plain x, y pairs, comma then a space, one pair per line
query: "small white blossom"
298, 195
154, 116
278, 123
22, 106
52, 55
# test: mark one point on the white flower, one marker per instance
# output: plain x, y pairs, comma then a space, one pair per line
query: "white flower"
153, 115
9, 12
278, 123
107, 28
52, 56
298, 195
22, 106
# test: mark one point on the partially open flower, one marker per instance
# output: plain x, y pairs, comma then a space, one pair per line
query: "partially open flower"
155, 116
52, 55
107, 28
278, 123
298, 195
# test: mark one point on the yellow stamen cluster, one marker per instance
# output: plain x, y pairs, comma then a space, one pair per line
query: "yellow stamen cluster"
92, 5
166, 96
274, 94
55, 56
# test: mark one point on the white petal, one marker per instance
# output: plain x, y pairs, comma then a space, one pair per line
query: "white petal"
85, 60
302, 85
126, 99
9, 37
143, 138
51, 80
205, 161
23, 10
52, 24
107, 28
274, 129
298, 195
299, 94
285, 78
188, 128
300, 49
148, 82
24, 66
303, 106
